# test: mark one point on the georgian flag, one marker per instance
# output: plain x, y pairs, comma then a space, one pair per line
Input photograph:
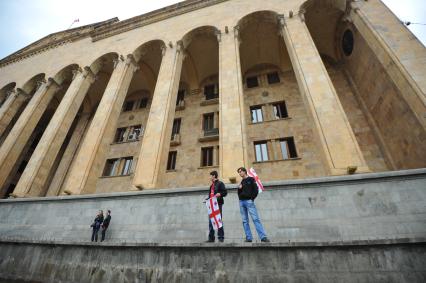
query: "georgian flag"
253, 174
214, 212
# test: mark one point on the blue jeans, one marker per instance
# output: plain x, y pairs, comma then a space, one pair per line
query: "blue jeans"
248, 207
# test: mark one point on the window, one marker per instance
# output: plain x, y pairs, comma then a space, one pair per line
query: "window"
171, 162
280, 110
288, 148
143, 103
252, 82
127, 166
128, 106
256, 114
261, 150
208, 121
176, 127
273, 78
134, 133
207, 156
180, 96
111, 167
210, 91
119, 135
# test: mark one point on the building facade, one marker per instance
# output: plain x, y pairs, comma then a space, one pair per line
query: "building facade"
294, 89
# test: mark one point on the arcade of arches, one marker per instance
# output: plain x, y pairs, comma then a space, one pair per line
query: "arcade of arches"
298, 95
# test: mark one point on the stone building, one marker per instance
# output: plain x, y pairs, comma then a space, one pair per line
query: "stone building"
294, 89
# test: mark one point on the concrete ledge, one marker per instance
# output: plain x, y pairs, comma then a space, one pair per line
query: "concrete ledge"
216, 245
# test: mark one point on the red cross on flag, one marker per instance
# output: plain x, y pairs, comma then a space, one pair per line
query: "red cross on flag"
253, 174
214, 213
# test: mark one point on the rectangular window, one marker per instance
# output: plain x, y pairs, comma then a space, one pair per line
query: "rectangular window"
280, 110
171, 162
128, 105
119, 135
261, 150
210, 92
176, 126
143, 103
208, 121
127, 166
252, 82
273, 78
111, 167
134, 133
288, 148
256, 114
180, 96
207, 156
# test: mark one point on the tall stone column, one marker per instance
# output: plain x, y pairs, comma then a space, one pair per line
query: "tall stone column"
156, 139
61, 172
10, 107
88, 163
34, 177
233, 151
334, 133
24, 126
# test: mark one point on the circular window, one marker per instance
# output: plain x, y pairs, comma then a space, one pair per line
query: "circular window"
348, 42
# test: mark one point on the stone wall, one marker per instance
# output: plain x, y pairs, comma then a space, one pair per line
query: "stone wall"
73, 262
358, 207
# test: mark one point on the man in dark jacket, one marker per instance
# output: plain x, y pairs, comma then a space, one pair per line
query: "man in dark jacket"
217, 189
105, 224
247, 192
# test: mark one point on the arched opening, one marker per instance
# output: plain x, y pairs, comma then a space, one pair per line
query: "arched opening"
342, 51
41, 116
280, 142
194, 145
123, 151
102, 69
5, 92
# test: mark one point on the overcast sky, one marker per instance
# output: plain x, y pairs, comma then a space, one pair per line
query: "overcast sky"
25, 21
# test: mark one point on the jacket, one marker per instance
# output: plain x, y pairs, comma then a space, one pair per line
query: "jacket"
219, 187
249, 189
105, 224
98, 221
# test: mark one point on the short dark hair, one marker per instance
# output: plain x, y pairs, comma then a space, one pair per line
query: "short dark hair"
214, 173
109, 211
242, 169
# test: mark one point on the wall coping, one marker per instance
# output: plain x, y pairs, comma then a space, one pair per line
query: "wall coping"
372, 242
281, 185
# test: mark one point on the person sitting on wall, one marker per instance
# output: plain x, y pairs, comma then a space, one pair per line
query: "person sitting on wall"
96, 225
105, 224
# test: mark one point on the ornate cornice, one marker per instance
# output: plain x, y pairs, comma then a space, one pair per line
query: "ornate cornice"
152, 17
52, 41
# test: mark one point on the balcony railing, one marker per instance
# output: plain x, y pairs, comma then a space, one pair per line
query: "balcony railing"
209, 135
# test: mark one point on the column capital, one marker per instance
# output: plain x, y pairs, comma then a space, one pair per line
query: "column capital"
75, 72
163, 50
131, 61
118, 60
218, 34
20, 91
301, 14
237, 34
87, 72
52, 82
40, 83
281, 21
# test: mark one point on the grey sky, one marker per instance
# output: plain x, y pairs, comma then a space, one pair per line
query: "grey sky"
25, 21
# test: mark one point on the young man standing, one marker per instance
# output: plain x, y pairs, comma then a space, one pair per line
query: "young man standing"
105, 224
217, 189
247, 192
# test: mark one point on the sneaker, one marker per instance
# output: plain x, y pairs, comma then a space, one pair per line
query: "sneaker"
265, 240
248, 241
221, 240
209, 241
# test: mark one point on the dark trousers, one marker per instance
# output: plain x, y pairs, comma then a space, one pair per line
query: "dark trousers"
103, 232
220, 231
95, 234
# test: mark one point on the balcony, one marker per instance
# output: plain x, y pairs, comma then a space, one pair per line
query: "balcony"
175, 140
210, 98
180, 105
209, 135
